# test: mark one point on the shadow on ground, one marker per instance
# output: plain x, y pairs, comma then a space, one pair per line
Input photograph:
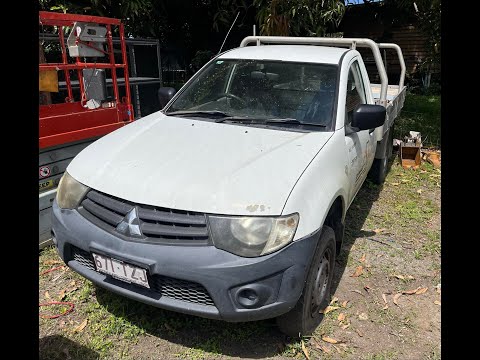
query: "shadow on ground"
259, 339
57, 347
354, 221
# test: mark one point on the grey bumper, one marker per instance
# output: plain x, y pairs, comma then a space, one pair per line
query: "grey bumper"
276, 279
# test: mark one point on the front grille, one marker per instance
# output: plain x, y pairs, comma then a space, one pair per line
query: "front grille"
156, 224
177, 289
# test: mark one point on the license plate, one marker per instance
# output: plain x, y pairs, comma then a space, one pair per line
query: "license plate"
120, 270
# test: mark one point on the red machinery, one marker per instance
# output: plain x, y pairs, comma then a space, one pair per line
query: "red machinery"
72, 120
67, 126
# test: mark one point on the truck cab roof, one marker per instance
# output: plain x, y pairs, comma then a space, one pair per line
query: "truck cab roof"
294, 53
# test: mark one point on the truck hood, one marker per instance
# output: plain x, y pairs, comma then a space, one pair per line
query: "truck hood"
197, 165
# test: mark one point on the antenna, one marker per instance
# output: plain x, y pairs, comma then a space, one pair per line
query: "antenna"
236, 17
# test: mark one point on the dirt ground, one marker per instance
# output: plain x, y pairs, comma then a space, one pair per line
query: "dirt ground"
391, 310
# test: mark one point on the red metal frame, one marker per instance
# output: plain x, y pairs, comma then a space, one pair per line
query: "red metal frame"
71, 121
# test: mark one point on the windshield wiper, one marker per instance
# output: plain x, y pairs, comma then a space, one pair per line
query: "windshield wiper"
234, 118
290, 121
199, 113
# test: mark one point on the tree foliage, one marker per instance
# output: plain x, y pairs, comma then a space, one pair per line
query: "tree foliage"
298, 17
134, 13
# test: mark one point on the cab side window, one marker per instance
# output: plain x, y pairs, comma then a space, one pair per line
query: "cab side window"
355, 92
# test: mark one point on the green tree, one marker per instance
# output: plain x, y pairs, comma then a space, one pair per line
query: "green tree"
134, 13
298, 17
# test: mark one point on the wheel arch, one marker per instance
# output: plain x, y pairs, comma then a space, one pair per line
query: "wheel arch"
336, 220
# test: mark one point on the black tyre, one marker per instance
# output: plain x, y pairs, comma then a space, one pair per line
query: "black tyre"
304, 318
378, 171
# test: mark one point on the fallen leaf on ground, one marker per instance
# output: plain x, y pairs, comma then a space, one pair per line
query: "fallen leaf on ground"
395, 298
322, 347
436, 302
358, 271
419, 191
378, 231
401, 277
330, 340
71, 289
337, 348
346, 326
51, 262
357, 291
363, 258
344, 304
363, 316
341, 317
395, 184
329, 309
411, 292
61, 295
47, 295
384, 297
81, 326
305, 351
334, 300
417, 291
421, 291
359, 333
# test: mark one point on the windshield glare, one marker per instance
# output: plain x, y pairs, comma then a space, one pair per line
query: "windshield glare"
263, 89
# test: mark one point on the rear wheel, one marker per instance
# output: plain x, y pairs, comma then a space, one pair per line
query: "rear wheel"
304, 318
379, 169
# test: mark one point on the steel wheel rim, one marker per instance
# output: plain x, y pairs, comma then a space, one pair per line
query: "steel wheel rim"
320, 286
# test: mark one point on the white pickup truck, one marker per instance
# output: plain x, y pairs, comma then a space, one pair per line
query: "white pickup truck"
230, 202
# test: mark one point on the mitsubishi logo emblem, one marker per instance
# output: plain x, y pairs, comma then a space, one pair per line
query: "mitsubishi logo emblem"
130, 224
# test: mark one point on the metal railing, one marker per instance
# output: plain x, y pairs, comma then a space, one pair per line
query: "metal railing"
350, 42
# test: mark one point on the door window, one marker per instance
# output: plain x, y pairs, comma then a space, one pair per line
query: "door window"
355, 92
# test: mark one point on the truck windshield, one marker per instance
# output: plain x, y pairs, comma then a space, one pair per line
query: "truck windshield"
302, 93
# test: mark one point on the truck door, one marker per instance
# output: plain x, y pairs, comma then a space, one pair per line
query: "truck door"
359, 144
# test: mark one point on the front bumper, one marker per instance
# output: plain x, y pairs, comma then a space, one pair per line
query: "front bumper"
240, 289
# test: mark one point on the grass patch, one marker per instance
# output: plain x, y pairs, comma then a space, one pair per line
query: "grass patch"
420, 113
384, 355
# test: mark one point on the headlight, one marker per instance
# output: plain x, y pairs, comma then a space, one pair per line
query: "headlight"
252, 236
70, 192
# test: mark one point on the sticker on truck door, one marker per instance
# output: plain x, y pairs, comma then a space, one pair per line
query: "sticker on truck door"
44, 185
44, 171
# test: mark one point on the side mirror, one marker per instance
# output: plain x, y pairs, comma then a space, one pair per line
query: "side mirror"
165, 94
366, 117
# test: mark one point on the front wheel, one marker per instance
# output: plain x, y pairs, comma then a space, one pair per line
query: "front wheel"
304, 318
